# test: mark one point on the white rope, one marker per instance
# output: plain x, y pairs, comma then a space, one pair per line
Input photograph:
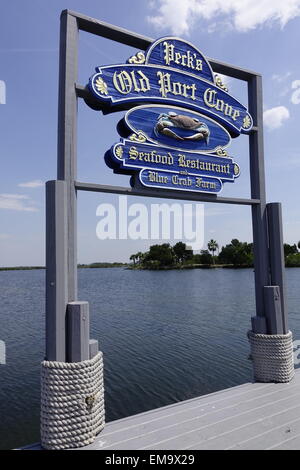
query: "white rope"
272, 356
72, 403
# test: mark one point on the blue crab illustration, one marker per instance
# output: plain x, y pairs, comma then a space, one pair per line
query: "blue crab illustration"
168, 122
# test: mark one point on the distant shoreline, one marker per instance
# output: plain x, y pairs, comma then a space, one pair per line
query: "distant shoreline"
21, 268
132, 267
139, 268
80, 266
190, 266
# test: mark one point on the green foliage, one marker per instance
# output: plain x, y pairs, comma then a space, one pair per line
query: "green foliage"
133, 258
102, 265
181, 252
289, 249
212, 246
152, 264
137, 257
197, 259
164, 254
293, 260
237, 253
205, 257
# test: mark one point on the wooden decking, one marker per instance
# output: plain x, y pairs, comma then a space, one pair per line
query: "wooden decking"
250, 416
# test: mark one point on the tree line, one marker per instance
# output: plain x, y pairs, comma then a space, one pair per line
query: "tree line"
235, 254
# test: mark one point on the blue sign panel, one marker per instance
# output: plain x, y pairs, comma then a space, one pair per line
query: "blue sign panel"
173, 72
129, 155
177, 139
182, 55
123, 84
175, 127
172, 180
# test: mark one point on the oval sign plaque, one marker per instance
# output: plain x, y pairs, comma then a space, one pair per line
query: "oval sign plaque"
175, 127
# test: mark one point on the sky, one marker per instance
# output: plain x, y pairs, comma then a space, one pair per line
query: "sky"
261, 36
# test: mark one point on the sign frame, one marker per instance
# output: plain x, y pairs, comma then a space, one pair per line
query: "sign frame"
61, 194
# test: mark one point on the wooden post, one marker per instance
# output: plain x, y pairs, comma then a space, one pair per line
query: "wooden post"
61, 227
78, 331
259, 215
67, 136
94, 348
277, 256
56, 270
273, 310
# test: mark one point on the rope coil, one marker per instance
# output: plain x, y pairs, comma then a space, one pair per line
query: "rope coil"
272, 355
72, 403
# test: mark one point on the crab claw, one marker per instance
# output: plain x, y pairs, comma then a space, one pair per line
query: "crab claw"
170, 133
198, 136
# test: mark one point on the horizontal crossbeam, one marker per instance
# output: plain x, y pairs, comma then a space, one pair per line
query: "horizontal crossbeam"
115, 33
165, 194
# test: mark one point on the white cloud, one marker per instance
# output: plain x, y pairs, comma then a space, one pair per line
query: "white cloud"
16, 202
4, 236
295, 98
14, 196
275, 117
173, 15
179, 16
32, 184
281, 78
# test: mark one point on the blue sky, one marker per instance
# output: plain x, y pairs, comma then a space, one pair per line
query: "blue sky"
261, 36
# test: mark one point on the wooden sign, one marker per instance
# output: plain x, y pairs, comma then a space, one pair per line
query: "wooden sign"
172, 72
184, 127
175, 127
130, 155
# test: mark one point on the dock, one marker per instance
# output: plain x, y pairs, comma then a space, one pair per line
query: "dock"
253, 416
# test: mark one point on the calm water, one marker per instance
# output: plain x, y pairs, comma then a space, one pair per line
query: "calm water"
166, 336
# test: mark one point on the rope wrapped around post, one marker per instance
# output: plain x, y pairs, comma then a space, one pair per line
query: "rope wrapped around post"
72, 403
272, 357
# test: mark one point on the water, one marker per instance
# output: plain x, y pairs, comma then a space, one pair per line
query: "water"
166, 336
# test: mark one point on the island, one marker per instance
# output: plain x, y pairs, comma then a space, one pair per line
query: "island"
236, 254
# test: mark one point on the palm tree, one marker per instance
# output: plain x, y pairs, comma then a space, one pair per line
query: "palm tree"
212, 246
139, 257
133, 258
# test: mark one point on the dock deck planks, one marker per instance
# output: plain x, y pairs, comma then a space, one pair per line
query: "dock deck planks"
250, 416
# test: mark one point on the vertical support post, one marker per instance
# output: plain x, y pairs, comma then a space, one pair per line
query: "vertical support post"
277, 256
94, 348
67, 136
78, 331
56, 270
259, 216
273, 310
